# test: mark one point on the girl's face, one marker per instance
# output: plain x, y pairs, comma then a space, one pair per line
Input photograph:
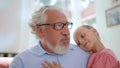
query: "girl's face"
87, 38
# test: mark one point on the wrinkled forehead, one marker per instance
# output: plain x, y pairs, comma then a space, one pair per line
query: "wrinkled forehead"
54, 16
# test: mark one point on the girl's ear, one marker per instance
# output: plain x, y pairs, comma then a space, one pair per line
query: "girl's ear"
95, 31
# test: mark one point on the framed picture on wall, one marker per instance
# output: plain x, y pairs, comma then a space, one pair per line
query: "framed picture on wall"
113, 15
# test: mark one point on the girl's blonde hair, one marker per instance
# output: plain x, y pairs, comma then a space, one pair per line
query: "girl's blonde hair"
77, 32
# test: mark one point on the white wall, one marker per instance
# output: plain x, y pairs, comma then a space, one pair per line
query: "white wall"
110, 35
10, 25
75, 9
14, 30
27, 7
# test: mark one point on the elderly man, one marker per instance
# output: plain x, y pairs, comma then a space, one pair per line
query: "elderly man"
51, 26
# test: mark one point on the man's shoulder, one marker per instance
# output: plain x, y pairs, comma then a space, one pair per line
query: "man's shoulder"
77, 49
73, 46
27, 52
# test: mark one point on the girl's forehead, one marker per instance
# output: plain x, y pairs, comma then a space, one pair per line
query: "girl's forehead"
82, 29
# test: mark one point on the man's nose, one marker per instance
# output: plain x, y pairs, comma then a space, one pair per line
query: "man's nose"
65, 30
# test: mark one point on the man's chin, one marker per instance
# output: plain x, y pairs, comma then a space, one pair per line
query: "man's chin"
60, 52
60, 49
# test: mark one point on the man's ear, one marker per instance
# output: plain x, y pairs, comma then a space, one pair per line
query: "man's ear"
39, 31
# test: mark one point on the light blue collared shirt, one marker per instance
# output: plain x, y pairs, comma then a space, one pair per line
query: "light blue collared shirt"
34, 57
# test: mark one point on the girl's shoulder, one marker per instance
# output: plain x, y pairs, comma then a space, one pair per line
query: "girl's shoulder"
103, 58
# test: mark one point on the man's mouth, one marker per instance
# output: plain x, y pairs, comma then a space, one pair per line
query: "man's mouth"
65, 41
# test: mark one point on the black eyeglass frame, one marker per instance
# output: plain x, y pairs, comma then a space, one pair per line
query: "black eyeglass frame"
54, 25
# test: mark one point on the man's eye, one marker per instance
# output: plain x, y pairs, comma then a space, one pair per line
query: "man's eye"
59, 25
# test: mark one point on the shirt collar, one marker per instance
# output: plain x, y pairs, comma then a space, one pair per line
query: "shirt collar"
41, 50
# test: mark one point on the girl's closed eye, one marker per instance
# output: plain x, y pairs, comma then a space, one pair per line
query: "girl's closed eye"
82, 35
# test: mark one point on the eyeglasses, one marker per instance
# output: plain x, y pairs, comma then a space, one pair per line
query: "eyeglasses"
59, 25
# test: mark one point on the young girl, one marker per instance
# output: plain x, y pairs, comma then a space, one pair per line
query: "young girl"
88, 39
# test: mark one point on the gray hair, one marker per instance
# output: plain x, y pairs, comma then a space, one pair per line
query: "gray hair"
39, 17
